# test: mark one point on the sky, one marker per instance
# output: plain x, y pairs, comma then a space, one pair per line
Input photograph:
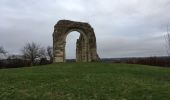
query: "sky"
123, 28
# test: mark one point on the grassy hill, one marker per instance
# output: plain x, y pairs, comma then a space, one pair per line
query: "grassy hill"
85, 81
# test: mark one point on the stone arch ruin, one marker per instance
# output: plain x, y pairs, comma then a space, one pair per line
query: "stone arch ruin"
86, 49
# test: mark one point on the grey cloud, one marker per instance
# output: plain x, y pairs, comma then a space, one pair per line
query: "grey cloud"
123, 28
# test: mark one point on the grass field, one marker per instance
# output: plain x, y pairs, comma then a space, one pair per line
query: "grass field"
85, 81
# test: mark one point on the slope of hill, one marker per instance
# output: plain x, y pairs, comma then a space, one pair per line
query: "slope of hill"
85, 81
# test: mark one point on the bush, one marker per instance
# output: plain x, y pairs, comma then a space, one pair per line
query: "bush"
44, 61
14, 63
154, 61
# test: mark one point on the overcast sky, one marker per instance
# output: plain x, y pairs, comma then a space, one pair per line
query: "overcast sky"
123, 28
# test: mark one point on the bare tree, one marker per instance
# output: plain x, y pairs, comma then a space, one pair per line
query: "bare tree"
31, 51
167, 38
2, 53
2, 50
50, 53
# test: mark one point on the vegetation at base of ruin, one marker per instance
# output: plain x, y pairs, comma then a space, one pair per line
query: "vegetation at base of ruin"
85, 81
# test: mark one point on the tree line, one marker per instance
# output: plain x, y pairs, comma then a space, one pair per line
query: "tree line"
31, 54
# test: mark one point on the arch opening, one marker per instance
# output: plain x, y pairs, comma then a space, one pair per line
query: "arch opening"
70, 47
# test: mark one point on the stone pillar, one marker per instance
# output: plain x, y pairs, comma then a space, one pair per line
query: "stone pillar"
64, 52
78, 51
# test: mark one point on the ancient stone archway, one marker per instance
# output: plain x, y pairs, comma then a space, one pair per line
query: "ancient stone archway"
86, 49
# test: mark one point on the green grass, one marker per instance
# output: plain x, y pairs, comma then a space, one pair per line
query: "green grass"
85, 81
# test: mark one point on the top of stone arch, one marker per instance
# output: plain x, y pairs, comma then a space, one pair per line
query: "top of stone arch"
69, 23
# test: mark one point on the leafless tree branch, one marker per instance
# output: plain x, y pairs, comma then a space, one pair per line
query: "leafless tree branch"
2, 50
50, 53
167, 38
31, 51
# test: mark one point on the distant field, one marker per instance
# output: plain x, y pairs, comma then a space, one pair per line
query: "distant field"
85, 81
